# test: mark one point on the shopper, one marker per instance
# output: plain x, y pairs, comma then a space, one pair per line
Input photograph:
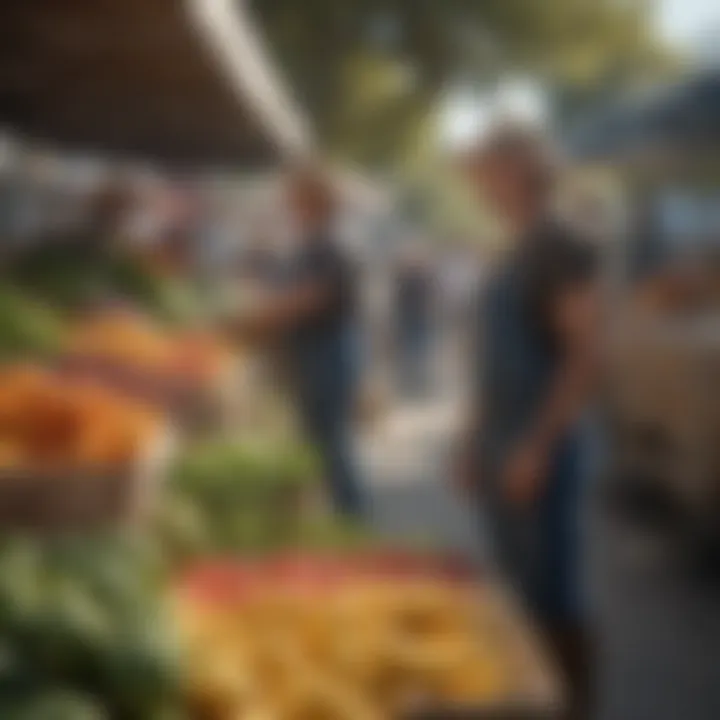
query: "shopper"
315, 311
414, 291
523, 449
459, 281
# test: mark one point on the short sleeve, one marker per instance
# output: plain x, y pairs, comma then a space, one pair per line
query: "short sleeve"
567, 260
326, 267
323, 265
561, 260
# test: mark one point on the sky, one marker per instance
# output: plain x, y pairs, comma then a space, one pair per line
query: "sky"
464, 116
683, 21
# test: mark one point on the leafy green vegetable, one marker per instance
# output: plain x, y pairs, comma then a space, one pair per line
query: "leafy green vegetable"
237, 497
84, 615
54, 705
27, 326
75, 275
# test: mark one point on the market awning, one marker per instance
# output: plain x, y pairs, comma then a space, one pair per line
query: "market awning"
181, 81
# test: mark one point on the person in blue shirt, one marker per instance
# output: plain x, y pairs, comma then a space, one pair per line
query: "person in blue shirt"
315, 314
533, 367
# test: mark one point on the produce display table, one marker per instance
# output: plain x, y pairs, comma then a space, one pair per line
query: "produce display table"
417, 595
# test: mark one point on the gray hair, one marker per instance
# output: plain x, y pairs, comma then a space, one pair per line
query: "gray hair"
524, 146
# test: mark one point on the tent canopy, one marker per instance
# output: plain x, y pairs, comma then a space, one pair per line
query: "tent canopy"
168, 80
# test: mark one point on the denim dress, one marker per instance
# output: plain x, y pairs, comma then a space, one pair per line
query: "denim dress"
536, 547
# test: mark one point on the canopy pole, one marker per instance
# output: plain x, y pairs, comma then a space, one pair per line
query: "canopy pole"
234, 41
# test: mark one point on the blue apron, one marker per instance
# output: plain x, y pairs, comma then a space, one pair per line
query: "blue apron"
536, 547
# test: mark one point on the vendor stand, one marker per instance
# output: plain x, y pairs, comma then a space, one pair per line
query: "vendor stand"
396, 635
84, 587
85, 462
656, 518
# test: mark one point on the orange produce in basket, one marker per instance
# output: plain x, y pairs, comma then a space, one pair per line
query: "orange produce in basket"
50, 421
11, 454
108, 433
124, 338
200, 355
133, 341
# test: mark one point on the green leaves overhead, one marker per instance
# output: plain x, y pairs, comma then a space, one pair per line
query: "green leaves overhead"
369, 72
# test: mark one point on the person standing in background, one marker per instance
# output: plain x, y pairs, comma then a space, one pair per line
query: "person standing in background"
315, 315
460, 274
523, 449
414, 296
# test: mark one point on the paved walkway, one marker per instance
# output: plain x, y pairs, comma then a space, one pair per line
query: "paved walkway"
658, 632
407, 467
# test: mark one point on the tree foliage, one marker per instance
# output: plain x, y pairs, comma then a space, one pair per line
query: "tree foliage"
369, 72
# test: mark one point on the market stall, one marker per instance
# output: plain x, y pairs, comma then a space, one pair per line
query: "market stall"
664, 154
155, 550
655, 523
395, 636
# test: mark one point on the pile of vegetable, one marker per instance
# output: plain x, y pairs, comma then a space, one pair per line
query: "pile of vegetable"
51, 422
345, 638
72, 276
225, 496
27, 326
83, 633
133, 341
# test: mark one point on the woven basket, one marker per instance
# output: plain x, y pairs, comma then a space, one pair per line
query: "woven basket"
60, 499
